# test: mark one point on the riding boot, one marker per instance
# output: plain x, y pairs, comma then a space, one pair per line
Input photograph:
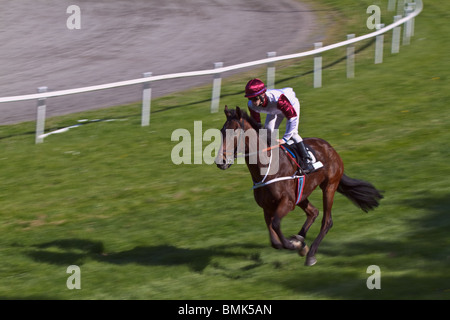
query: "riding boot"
306, 161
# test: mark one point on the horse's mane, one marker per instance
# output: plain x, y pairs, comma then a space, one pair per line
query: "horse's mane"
254, 124
233, 115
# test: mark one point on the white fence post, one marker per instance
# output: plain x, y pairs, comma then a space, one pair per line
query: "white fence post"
40, 116
379, 45
350, 58
407, 29
317, 67
271, 71
396, 33
412, 5
217, 82
146, 100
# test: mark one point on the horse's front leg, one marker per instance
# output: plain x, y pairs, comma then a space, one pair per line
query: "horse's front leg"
284, 207
274, 240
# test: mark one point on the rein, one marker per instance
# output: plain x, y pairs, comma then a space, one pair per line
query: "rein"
253, 153
263, 182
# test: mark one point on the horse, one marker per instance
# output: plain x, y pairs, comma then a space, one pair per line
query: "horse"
281, 197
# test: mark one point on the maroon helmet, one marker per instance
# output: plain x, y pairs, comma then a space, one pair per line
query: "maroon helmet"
254, 88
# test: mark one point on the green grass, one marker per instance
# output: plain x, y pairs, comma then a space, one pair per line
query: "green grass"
106, 196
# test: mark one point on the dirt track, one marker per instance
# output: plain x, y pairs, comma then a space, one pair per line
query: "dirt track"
121, 39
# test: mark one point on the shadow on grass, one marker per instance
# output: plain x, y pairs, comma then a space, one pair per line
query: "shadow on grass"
76, 251
415, 266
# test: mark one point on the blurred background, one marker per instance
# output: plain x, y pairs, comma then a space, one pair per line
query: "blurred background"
119, 40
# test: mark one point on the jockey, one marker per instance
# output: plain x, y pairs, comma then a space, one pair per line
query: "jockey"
278, 104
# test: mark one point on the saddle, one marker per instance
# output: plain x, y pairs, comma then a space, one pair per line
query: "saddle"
292, 150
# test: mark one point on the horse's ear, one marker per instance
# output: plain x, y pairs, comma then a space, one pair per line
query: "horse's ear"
238, 112
227, 111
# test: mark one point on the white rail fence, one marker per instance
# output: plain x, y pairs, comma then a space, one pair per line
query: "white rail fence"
410, 11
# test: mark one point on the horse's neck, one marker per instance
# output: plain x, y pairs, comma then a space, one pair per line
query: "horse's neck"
262, 163
253, 156
255, 171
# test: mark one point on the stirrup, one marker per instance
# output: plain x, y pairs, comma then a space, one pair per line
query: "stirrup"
311, 167
317, 165
308, 168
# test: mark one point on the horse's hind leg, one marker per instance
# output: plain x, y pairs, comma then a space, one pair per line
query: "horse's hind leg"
311, 215
327, 223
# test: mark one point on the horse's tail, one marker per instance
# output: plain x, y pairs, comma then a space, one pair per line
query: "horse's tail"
361, 193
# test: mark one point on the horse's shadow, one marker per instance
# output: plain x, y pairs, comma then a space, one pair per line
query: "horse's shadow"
77, 251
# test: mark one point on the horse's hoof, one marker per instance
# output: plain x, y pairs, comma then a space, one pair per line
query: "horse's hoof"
310, 261
304, 250
297, 237
297, 245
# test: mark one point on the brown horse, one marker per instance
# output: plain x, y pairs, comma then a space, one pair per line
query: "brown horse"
279, 198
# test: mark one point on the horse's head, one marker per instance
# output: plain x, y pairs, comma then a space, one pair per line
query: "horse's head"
235, 137
229, 148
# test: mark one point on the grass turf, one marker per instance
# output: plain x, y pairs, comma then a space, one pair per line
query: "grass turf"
106, 196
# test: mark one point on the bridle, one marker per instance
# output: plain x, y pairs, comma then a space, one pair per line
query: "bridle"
225, 153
